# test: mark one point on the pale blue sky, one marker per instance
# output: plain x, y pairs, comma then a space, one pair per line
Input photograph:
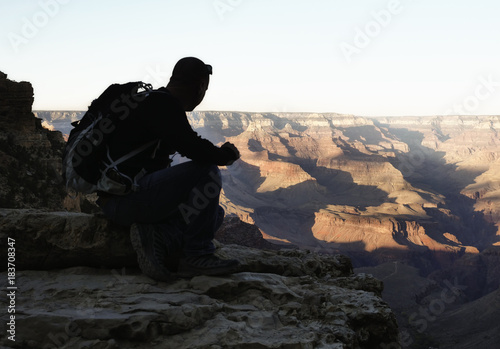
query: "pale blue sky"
362, 57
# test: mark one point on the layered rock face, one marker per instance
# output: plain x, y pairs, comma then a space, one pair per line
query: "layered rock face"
420, 189
97, 298
407, 183
30, 154
392, 187
360, 184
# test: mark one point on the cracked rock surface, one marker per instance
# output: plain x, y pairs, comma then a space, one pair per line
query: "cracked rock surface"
281, 299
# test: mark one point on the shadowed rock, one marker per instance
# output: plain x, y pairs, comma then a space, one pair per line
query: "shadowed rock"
48, 240
97, 298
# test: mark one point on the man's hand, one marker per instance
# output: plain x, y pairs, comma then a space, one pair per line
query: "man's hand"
230, 147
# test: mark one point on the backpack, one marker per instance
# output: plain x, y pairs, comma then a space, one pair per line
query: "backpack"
87, 164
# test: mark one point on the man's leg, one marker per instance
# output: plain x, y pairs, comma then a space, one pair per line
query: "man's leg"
182, 199
200, 216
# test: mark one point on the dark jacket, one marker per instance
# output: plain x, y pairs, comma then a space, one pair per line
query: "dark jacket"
160, 116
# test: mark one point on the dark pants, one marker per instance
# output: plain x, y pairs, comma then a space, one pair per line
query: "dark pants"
182, 201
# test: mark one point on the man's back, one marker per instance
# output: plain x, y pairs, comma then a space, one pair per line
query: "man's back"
160, 117
173, 211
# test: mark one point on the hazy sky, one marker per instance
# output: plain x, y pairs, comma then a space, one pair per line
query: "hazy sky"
362, 57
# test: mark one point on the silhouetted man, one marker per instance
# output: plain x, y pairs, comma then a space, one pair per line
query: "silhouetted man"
175, 211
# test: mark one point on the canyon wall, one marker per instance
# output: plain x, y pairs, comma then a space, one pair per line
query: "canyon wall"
363, 184
331, 182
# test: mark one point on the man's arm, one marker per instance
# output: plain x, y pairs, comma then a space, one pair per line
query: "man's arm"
169, 122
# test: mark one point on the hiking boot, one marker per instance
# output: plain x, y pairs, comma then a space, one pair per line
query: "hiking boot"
207, 264
150, 246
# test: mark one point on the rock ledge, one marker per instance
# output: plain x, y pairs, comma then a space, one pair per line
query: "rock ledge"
282, 299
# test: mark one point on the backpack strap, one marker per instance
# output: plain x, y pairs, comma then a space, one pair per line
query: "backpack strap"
125, 157
114, 163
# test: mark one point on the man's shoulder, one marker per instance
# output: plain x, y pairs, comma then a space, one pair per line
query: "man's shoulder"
161, 99
161, 94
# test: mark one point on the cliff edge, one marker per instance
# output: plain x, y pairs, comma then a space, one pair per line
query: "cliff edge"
92, 294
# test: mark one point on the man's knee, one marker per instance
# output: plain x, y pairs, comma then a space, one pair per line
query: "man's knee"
210, 182
204, 173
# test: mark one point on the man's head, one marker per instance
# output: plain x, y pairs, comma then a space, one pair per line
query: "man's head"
189, 81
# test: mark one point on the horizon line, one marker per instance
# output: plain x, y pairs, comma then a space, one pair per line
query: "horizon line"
297, 112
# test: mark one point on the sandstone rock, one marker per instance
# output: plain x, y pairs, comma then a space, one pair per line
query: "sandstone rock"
16, 98
102, 308
247, 234
47, 240
281, 299
17, 120
65, 239
30, 154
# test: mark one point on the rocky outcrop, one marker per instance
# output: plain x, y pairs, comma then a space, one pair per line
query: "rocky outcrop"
97, 298
16, 99
102, 308
17, 123
67, 239
29, 153
48, 240
248, 235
